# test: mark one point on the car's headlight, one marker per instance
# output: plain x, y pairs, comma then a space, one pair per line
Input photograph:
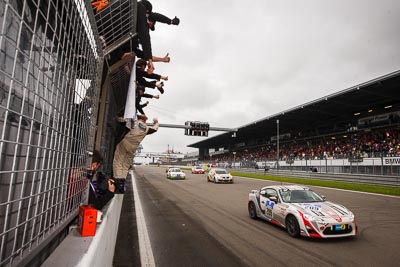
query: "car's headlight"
309, 218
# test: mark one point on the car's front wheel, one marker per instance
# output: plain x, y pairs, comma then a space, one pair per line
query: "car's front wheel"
292, 226
252, 210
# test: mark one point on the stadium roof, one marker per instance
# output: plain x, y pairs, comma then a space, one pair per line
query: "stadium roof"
363, 100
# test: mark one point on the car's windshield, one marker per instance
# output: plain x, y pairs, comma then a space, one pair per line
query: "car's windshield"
220, 171
300, 196
175, 170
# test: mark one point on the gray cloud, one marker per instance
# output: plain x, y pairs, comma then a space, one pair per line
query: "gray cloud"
234, 62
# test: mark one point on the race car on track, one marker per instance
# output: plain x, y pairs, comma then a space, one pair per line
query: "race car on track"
197, 169
301, 211
219, 175
175, 173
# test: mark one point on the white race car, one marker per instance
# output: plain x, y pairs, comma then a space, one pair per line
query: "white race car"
219, 175
175, 173
301, 211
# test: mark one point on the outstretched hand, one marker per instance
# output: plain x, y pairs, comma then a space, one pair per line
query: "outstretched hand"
175, 21
166, 58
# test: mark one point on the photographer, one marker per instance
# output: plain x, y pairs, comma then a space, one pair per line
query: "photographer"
78, 180
101, 191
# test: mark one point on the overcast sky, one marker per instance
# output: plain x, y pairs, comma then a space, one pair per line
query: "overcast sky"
234, 62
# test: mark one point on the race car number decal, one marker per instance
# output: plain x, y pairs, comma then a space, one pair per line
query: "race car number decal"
313, 207
268, 212
339, 227
269, 206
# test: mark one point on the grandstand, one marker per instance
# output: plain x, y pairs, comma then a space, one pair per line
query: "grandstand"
359, 124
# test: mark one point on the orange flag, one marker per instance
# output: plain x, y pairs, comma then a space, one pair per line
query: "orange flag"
99, 5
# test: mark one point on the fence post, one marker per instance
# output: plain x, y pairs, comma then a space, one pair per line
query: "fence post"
326, 165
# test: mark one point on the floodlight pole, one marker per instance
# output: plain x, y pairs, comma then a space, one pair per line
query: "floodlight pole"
277, 144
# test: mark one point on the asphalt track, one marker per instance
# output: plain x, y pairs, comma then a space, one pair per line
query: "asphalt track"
195, 223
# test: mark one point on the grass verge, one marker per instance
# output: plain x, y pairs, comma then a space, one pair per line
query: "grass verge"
379, 189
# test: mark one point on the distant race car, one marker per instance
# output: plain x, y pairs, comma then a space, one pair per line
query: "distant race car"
175, 173
301, 211
198, 169
219, 175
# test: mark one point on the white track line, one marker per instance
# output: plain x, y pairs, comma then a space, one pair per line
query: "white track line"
146, 253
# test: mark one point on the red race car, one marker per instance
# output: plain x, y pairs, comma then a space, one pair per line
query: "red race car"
198, 169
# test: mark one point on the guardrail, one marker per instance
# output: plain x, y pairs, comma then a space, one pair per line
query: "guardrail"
387, 180
97, 250
352, 178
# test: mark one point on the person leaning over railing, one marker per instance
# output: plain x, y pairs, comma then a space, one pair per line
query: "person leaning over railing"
126, 148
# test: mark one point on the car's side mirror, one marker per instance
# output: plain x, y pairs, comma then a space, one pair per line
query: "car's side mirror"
262, 192
323, 197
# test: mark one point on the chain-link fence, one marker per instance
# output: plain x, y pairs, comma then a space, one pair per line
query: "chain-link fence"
49, 73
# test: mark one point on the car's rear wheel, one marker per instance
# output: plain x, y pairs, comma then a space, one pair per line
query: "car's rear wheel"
292, 226
252, 210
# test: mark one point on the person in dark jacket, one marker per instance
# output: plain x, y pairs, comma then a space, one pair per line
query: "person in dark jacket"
139, 94
143, 22
144, 9
154, 17
102, 190
141, 74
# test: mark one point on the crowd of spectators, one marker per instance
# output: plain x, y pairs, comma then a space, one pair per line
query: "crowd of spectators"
378, 143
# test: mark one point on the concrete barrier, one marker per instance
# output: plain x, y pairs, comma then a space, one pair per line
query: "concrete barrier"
97, 250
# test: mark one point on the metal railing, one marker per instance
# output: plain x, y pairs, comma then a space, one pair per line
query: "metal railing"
49, 94
343, 177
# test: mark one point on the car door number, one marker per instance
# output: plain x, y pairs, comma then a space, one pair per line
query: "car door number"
268, 212
269, 205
